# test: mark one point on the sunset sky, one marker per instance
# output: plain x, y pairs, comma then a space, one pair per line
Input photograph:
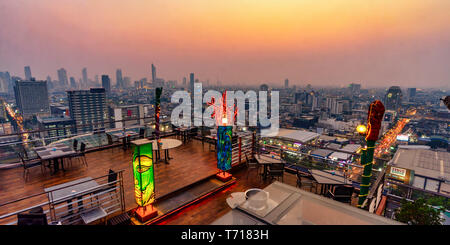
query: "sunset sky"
322, 42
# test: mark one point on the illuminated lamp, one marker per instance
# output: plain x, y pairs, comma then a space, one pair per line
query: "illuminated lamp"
224, 152
144, 180
224, 121
361, 129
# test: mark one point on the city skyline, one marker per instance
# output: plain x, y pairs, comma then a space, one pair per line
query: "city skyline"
376, 44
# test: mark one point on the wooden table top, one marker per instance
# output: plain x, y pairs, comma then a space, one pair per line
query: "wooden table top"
268, 159
166, 143
73, 188
326, 177
53, 151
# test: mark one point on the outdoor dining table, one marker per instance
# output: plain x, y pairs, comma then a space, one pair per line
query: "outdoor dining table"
328, 178
266, 160
56, 153
165, 145
68, 191
212, 140
125, 136
184, 131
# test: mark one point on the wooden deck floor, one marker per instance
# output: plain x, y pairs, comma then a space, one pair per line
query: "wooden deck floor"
191, 162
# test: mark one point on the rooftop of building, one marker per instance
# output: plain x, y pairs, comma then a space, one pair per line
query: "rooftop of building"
53, 119
425, 162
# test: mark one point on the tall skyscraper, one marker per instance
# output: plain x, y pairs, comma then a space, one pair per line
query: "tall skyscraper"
6, 83
119, 79
153, 74
87, 108
126, 82
393, 98
106, 84
3, 84
62, 76
286, 83
32, 98
184, 81
191, 83
411, 93
354, 88
85, 77
27, 73
73, 84
9, 85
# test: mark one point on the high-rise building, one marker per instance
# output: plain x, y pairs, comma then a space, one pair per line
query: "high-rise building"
393, 98
87, 108
32, 98
27, 73
8, 85
55, 128
286, 83
126, 82
106, 84
153, 74
191, 83
264, 87
354, 88
335, 106
73, 84
184, 81
5, 82
126, 116
119, 79
411, 93
85, 77
62, 77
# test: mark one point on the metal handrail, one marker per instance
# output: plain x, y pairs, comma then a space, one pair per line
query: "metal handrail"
54, 206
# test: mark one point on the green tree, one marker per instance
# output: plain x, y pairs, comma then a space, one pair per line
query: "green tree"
418, 212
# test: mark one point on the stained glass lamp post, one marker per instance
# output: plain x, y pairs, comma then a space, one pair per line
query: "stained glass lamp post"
222, 114
144, 179
224, 151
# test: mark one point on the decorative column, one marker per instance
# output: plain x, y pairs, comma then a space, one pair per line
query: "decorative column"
374, 119
224, 120
144, 179
158, 92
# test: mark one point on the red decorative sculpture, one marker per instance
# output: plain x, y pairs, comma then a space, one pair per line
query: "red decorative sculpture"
374, 118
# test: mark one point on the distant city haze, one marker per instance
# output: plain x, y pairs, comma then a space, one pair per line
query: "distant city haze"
248, 42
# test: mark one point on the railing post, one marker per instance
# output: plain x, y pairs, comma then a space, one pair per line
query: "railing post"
253, 143
240, 151
122, 191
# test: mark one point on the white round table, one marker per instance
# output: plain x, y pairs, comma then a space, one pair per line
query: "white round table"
165, 145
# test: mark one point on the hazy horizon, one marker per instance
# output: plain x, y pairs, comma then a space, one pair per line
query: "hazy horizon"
250, 42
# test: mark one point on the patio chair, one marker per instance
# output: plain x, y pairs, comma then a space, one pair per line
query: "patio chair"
75, 145
81, 154
111, 186
141, 133
35, 216
27, 165
252, 164
305, 181
111, 142
276, 170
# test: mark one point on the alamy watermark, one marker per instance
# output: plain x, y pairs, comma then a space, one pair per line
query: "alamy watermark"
257, 109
